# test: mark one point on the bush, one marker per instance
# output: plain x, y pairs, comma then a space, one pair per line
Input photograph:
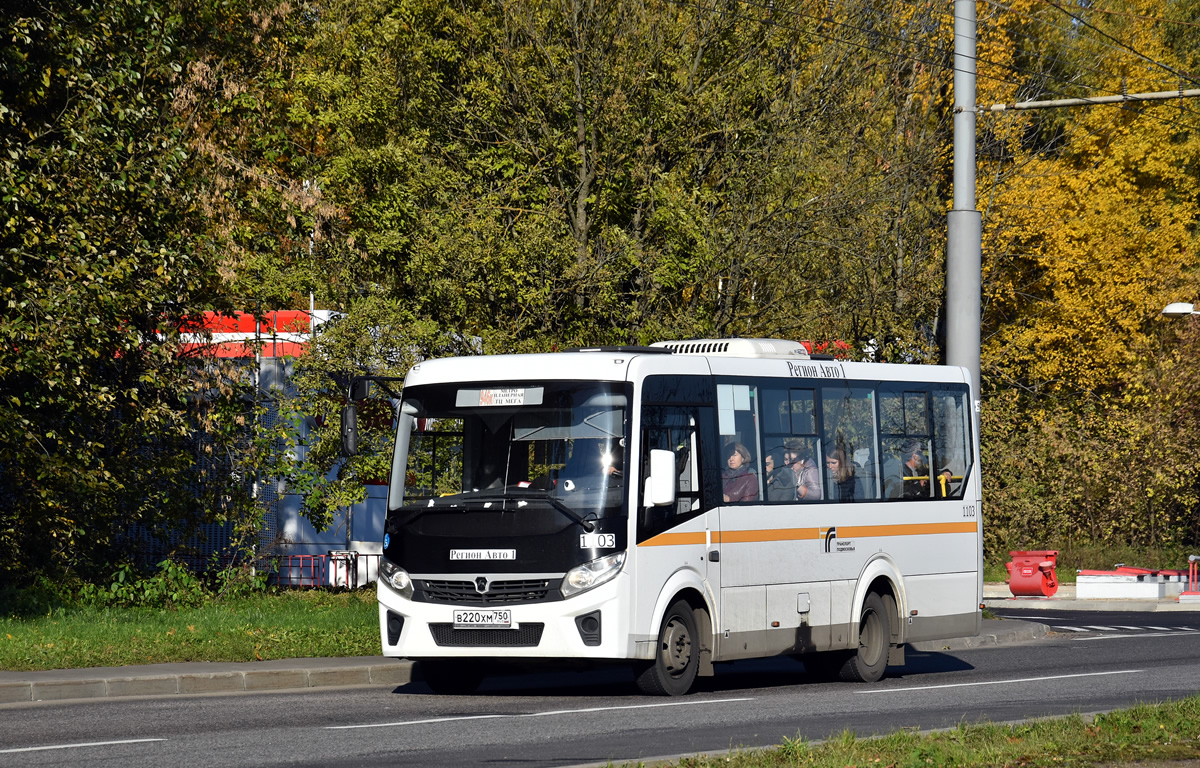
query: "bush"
174, 586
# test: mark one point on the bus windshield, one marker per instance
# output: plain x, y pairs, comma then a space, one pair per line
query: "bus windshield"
506, 447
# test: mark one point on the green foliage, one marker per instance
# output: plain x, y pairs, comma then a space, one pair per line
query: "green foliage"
41, 597
107, 255
536, 175
174, 586
236, 582
521, 176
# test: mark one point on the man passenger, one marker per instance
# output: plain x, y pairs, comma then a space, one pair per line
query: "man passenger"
808, 476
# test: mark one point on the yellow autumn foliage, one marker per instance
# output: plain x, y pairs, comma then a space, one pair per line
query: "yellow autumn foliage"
1087, 226
1091, 423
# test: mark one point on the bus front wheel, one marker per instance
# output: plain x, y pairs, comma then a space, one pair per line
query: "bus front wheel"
676, 656
874, 640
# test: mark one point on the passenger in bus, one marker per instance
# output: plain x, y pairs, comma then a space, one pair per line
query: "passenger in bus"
915, 469
840, 474
740, 483
808, 476
781, 481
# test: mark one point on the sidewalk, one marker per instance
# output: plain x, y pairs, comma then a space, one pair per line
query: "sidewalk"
291, 674
997, 595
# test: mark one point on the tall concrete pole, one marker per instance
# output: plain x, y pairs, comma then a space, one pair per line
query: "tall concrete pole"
964, 248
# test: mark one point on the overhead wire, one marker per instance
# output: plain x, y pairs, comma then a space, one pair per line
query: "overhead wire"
1046, 22
1020, 51
1011, 67
1075, 84
1123, 44
772, 10
1069, 129
1180, 22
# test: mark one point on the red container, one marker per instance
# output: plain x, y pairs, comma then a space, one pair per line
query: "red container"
1031, 574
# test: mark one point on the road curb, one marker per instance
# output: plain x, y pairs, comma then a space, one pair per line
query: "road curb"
995, 632
86, 684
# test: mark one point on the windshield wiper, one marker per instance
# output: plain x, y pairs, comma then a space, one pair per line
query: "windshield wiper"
524, 493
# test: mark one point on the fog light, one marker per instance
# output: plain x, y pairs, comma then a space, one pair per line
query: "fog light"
589, 628
395, 624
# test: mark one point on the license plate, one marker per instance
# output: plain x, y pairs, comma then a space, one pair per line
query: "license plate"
499, 619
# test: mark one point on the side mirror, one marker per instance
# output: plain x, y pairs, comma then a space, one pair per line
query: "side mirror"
660, 485
350, 430
360, 387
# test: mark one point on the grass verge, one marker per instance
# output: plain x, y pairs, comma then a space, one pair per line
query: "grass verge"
289, 624
1145, 735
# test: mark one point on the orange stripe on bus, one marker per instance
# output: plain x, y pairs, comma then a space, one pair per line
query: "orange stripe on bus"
769, 534
674, 539
805, 534
909, 529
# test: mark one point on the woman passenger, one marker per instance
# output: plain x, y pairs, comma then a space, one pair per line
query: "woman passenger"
740, 482
841, 475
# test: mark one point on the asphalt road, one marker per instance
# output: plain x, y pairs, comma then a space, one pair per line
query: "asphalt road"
560, 719
1107, 622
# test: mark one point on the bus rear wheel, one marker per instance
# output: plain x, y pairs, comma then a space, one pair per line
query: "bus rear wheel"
676, 656
874, 641
451, 676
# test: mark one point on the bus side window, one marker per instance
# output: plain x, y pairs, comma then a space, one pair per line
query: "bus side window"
952, 454
849, 432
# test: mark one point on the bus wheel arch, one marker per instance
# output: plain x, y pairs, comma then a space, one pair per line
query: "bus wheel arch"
882, 577
868, 662
878, 623
886, 589
683, 649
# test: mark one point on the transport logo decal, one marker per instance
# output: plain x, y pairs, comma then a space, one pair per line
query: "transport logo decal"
833, 543
828, 534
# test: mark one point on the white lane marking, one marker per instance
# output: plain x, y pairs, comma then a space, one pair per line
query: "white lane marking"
1101, 629
1135, 629
1161, 629
76, 746
532, 714
1071, 629
1185, 629
1002, 682
1119, 635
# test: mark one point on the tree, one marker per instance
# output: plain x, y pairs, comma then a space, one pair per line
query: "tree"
1089, 230
106, 263
576, 173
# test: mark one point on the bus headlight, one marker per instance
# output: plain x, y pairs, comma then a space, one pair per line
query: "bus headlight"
593, 574
396, 577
